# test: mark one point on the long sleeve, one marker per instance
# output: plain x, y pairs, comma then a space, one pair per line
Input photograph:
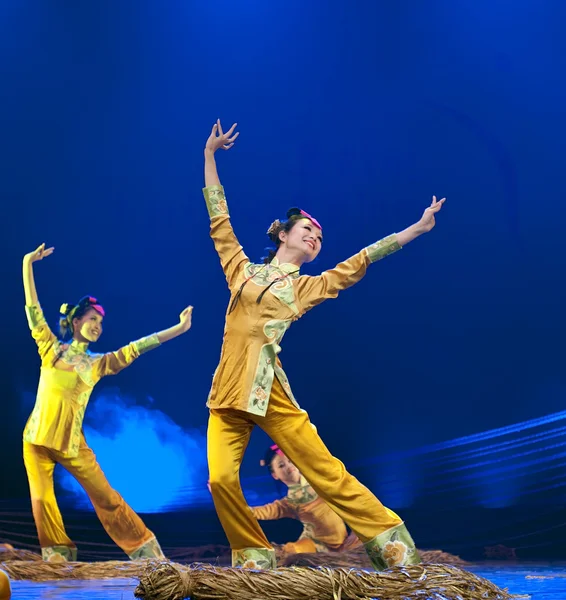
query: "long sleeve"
112, 363
280, 509
314, 290
40, 331
231, 253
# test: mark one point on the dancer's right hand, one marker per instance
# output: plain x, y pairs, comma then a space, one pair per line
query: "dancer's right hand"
39, 254
219, 139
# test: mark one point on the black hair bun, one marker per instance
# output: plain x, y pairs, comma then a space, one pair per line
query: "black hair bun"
292, 212
87, 301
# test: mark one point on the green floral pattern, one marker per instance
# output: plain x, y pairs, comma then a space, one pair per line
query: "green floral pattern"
82, 401
151, 549
59, 554
147, 343
254, 558
263, 378
35, 316
280, 374
300, 493
392, 548
264, 275
82, 360
82, 364
383, 248
215, 201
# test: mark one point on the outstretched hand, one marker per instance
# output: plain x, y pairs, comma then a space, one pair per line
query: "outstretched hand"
219, 139
185, 319
39, 254
428, 221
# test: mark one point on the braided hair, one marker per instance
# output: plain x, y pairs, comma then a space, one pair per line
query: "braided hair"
68, 312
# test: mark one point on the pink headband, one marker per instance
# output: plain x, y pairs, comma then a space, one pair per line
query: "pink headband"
275, 447
306, 214
97, 307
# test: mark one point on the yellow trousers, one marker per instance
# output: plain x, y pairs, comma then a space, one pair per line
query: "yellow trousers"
229, 432
301, 546
121, 523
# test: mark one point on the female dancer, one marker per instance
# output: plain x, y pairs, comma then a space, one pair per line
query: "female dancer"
53, 433
323, 529
250, 387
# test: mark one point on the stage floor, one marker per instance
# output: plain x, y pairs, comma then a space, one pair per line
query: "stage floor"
540, 581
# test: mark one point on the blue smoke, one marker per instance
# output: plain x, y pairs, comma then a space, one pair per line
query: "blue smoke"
152, 462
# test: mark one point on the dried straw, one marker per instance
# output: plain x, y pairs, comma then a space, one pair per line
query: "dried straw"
161, 580
46, 571
358, 558
169, 581
23, 564
9, 554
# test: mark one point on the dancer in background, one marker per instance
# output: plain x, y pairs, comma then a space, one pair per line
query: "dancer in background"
250, 387
53, 434
323, 529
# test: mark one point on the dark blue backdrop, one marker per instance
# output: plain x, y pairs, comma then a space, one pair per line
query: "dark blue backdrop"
357, 111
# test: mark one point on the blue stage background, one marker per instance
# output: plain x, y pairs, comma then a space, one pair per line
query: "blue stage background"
358, 112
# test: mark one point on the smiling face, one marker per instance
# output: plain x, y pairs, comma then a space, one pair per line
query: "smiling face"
88, 328
282, 469
304, 239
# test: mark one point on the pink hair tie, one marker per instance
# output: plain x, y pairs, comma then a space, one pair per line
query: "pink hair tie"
306, 214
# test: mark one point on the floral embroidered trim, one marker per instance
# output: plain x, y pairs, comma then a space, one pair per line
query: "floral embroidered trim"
301, 493
215, 201
279, 278
147, 343
150, 549
392, 548
258, 401
280, 374
254, 558
383, 248
35, 316
263, 380
58, 554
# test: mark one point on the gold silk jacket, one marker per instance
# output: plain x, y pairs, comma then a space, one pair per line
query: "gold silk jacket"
57, 418
320, 523
256, 325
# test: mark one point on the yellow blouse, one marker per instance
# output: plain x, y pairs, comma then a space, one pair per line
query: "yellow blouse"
63, 394
321, 523
256, 325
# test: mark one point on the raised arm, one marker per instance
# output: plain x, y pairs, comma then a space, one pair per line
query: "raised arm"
112, 363
29, 280
314, 290
40, 331
232, 255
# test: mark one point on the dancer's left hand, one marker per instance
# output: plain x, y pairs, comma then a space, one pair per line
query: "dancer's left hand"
185, 319
428, 221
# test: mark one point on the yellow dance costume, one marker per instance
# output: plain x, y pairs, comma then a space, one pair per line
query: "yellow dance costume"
250, 388
323, 529
53, 434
